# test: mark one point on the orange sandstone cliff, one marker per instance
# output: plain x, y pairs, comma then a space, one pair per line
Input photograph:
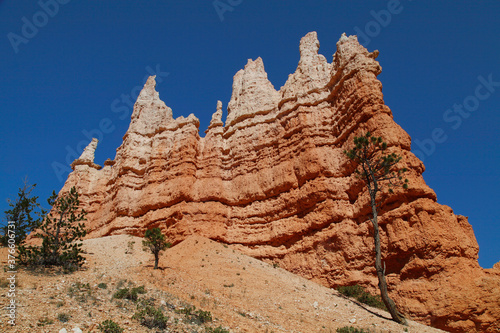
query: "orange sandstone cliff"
273, 182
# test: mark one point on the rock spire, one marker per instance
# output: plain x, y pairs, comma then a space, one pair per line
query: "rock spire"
273, 182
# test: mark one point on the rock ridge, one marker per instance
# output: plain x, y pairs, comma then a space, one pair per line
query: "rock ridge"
273, 182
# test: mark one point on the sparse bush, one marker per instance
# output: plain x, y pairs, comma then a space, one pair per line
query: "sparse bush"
102, 285
350, 329
203, 316
151, 317
351, 291
196, 316
123, 293
130, 247
358, 292
131, 294
121, 283
109, 326
219, 329
63, 317
81, 291
139, 290
188, 310
44, 321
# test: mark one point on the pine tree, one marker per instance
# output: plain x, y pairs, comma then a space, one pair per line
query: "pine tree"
21, 216
155, 242
60, 231
376, 169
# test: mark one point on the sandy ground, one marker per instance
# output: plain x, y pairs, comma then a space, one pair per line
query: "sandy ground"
242, 294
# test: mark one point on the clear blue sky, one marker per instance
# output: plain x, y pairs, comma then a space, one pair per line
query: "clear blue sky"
63, 70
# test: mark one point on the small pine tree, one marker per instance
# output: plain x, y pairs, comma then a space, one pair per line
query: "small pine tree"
21, 215
376, 168
155, 242
60, 232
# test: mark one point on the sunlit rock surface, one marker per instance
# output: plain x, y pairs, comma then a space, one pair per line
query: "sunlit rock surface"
274, 183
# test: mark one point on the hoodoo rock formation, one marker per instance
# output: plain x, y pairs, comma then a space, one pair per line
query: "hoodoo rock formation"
274, 183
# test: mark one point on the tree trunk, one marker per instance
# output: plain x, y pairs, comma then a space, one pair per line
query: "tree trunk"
382, 283
157, 258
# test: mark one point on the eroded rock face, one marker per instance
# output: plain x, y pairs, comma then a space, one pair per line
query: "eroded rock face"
274, 183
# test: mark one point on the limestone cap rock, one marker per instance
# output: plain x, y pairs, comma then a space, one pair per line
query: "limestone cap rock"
252, 93
150, 113
87, 157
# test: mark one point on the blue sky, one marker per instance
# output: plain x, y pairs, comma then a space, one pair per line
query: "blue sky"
68, 71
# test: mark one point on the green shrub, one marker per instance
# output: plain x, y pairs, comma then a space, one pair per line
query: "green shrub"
151, 317
131, 294
109, 326
102, 285
80, 291
203, 316
357, 292
219, 329
371, 300
139, 290
63, 317
44, 321
122, 293
351, 291
196, 316
350, 329
188, 310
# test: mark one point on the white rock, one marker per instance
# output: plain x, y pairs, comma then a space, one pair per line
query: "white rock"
252, 93
89, 151
87, 157
150, 112
77, 330
63, 330
313, 73
315, 305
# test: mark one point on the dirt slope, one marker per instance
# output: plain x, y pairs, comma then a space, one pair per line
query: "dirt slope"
243, 294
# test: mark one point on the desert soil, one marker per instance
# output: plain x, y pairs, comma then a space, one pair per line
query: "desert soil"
242, 294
